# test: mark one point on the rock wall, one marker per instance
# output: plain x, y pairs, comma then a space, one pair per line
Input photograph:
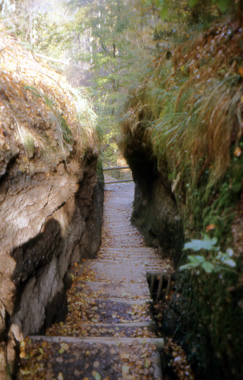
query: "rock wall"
48, 221
155, 211
51, 196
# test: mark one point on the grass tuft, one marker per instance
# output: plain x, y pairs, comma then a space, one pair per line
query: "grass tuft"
191, 109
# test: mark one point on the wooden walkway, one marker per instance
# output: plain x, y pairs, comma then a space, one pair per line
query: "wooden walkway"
109, 332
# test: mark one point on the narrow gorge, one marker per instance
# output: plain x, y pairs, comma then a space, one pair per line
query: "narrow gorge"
137, 276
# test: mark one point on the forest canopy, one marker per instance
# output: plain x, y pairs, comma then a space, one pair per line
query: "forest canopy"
99, 43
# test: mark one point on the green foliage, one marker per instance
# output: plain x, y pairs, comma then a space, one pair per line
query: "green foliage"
214, 262
41, 25
207, 244
223, 5
112, 29
197, 7
191, 119
215, 205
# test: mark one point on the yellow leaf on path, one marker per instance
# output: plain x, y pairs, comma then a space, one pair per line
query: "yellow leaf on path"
22, 344
23, 355
125, 369
61, 351
25, 373
147, 363
125, 356
60, 376
96, 375
64, 347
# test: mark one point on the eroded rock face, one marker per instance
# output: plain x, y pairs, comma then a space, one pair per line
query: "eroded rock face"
50, 198
48, 221
155, 212
157, 216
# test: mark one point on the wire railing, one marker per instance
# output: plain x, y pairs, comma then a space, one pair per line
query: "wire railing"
120, 180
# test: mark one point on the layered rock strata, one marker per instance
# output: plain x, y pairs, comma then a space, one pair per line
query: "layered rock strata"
50, 196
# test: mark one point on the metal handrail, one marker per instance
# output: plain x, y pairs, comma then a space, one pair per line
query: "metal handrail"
119, 181
116, 168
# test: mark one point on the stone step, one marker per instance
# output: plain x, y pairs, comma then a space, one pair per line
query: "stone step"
115, 272
152, 325
108, 289
92, 358
119, 256
119, 300
129, 330
107, 311
128, 251
149, 261
146, 250
158, 342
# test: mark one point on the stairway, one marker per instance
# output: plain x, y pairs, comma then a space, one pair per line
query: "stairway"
109, 332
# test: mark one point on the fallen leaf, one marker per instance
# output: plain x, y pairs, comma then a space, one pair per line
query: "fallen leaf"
96, 375
61, 350
147, 363
241, 71
25, 373
125, 369
210, 227
60, 376
23, 355
22, 344
125, 356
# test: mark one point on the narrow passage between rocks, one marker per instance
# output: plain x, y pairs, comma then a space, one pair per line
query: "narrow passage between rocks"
109, 332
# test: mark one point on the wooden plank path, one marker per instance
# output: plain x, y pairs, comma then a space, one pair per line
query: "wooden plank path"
109, 332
